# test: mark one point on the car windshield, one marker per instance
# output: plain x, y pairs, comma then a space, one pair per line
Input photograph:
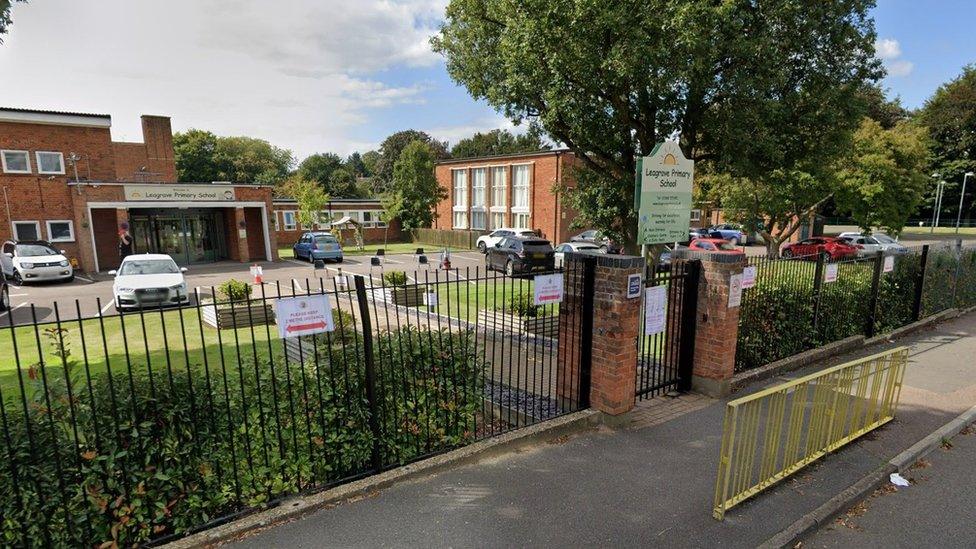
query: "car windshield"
325, 239
584, 248
885, 239
34, 250
149, 267
537, 246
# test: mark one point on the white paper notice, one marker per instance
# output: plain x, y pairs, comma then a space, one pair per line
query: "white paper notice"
298, 316
889, 263
735, 290
548, 289
748, 277
655, 309
830, 272
430, 299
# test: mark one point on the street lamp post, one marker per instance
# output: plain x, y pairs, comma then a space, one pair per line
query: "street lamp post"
962, 197
935, 204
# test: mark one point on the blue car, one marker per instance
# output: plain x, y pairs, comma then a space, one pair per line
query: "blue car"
318, 245
729, 232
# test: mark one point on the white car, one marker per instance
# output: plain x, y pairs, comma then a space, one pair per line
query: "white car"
869, 245
34, 261
494, 237
575, 247
149, 281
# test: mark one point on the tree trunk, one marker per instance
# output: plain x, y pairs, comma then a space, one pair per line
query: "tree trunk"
772, 246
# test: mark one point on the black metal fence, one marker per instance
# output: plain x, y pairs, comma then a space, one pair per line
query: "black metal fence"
145, 426
802, 303
665, 359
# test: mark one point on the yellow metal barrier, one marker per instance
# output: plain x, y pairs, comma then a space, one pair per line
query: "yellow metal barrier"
800, 421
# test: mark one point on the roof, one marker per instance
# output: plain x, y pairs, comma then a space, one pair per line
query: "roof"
533, 154
54, 118
42, 111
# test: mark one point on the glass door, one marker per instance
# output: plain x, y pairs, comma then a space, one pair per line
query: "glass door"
171, 237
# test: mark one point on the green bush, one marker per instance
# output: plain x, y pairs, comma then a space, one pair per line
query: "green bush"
235, 290
521, 305
395, 278
126, 458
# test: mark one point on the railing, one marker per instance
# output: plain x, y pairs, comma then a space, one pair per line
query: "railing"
148, 425
773, 433
802, 303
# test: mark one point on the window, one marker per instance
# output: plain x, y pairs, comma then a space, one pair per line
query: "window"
499, 187
520, 220
277, 224
378, 216
27, 230
289, 219
460, 184
49, 162
696, 215
520, 186
369, 219
324, 221
15, 161
61, 231
478, 219
497, 219
479, 177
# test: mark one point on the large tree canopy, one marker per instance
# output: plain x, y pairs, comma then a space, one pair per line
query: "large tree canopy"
763, 90
499, 142
414, 191
393, 146
950, 115
202, 156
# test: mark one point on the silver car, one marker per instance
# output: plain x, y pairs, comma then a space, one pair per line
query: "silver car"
575, 247
870, 245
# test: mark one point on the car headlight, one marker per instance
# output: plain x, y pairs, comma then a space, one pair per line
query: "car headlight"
27, 265
64, 263
178, 287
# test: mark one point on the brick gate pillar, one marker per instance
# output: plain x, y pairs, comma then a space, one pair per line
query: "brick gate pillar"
614, 322
717, 324
240, 237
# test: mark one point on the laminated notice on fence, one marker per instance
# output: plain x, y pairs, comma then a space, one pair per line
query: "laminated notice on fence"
298, 316
655, 309
748, 277
889, 263
735, 290
430, 299
548, 289
830, 272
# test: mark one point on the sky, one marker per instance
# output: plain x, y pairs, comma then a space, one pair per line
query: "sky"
329, 75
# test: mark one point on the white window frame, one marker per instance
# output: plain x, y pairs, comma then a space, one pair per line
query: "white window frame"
479, 213
528, 190
696, 215
37, 160
50, 233
491, 219
324, 222
463, 216
460, 208
378, 217
294, 220
475, 188
515, 217
499, 205
3, 160
277, 222
37, 228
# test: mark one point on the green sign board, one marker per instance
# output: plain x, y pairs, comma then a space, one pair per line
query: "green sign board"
662, 196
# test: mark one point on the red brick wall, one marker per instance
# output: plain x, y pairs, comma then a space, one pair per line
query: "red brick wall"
255, 233
106, 229
548, 212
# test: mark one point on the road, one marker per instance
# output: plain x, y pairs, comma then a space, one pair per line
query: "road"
937, 510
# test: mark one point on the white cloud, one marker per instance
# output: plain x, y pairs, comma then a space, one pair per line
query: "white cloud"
304, 74
888, 51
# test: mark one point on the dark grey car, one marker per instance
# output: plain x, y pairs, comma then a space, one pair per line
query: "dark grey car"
519, 254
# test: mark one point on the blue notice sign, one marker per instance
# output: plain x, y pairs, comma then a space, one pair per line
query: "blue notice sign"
634, 283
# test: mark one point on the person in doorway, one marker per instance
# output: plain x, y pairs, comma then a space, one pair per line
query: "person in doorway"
125, 242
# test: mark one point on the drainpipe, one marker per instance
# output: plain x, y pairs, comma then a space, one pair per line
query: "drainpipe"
557, 221
6, 204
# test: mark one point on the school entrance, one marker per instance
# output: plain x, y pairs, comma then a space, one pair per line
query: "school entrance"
190, 236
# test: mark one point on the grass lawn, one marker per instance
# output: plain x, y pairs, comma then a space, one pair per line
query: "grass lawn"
155, 341
967, 231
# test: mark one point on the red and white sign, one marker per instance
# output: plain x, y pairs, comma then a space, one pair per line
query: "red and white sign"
548, 289
749, 277
889, 264
830, 272
298, 316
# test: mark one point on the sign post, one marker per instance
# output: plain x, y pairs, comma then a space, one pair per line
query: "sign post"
662, 195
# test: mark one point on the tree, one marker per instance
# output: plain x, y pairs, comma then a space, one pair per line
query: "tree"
414, 188
499, 142
393, 146
5, 19
370, 161
319, 168
250, 160
950, 115
881, 183
311, 198
354, 164
759, 91
342, 184
195, 155
881, 110
392, 209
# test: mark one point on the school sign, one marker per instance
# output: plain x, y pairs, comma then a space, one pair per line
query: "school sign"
662, 195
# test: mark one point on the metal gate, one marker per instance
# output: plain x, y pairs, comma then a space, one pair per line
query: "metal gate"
665, 359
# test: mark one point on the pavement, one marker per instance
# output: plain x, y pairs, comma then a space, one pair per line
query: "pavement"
935, 511
649, 481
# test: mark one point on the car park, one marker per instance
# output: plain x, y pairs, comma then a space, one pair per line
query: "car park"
869, 245
594, 236
833, 248
520, 254
565, 247
733, 233
489, 240
714, 245
4, 294
318, 245
149, 281
34, 261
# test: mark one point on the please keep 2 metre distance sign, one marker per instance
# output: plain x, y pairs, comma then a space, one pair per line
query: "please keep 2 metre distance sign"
307, 315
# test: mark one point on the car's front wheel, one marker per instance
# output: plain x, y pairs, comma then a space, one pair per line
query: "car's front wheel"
787, 253
4, 299
482, 247
18, 280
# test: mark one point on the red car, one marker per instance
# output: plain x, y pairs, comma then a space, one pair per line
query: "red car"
835, 248
713, 245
